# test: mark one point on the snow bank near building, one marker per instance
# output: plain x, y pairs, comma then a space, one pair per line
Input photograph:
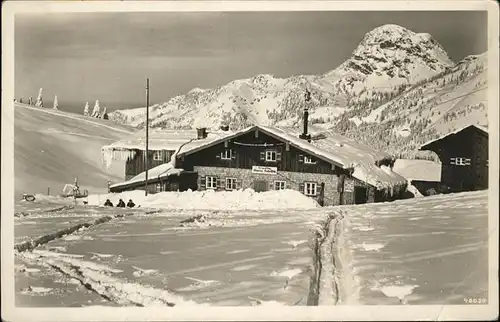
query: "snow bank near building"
208, 200
414, 191
422, 170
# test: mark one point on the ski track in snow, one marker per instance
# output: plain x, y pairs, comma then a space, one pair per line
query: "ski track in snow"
98, 278
238, 251
243, 268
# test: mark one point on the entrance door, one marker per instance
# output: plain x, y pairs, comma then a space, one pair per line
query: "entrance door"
321, 199
260, 186
172, 186
359, 195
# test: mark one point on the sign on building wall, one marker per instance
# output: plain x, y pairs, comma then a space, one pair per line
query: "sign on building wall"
264, 170
348, 186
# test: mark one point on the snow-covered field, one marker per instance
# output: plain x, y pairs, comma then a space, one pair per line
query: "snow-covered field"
175, 256
431, 250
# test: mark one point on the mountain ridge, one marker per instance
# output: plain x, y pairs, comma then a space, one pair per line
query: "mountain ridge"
389, 62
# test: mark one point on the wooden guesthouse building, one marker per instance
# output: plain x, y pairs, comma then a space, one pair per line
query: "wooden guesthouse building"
323, 165
464, 158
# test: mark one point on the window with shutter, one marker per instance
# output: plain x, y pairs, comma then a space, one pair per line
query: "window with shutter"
271, 156
230, 183
279, 185
460, 161
211, 182
157, 155
309, 160
226, 155
310, 189
301, 158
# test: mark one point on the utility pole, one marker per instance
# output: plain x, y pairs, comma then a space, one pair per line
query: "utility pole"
147, 133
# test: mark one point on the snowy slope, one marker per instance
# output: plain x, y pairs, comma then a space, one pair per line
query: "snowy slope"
387, 59
437, 106
424, 251
52, 147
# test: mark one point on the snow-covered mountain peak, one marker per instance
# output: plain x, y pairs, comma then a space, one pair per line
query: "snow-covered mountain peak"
393, 41
387, 32
389, 56
196, 90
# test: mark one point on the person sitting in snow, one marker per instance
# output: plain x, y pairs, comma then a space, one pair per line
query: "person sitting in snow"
108, 203
130, 203
121, 204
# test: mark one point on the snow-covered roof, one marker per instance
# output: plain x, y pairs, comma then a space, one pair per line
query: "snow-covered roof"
334, 148
325, 145
482, 128
158, 140
161, 171
421, 170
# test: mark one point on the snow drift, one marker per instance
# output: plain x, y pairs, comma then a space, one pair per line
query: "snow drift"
210, 200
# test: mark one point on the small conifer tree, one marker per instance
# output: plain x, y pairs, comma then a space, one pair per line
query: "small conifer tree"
86, 109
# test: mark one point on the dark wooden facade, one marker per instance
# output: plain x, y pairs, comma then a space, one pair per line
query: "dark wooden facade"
464, 159
181, 182
246, 151
250, 149
428, 188
136, 165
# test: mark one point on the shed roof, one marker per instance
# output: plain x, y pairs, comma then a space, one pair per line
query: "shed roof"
421, 170
161, 171
481, 128
169, 140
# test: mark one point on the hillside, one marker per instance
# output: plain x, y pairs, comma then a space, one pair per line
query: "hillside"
393, 71
52, 147
442, 104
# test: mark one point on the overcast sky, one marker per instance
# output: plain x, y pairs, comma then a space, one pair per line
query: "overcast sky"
108, 56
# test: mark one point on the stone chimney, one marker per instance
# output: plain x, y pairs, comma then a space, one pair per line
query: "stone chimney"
305, 135
202, 133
